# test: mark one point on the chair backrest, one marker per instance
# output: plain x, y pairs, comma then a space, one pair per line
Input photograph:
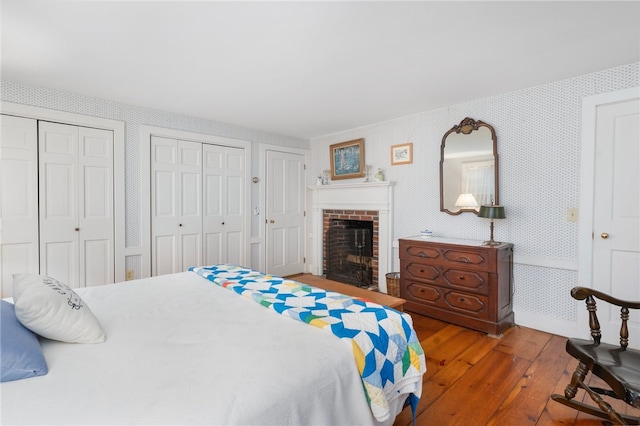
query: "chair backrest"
589, 295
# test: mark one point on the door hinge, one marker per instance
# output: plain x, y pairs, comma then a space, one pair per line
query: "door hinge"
304, 213
305, 167
304, 260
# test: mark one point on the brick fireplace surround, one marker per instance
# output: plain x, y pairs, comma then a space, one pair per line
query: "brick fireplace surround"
362, 200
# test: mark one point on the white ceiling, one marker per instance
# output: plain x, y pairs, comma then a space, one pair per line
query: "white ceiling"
308, 69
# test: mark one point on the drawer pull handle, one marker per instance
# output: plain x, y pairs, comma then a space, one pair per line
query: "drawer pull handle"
422, 254
421, 270
464, 260
462, 299
461, 278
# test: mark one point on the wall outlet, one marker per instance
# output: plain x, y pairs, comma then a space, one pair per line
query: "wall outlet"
130, 275
572, 214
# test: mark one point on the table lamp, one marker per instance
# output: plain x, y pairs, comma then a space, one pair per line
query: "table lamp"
491, 212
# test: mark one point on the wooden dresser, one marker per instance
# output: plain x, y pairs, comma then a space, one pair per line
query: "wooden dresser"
459, 281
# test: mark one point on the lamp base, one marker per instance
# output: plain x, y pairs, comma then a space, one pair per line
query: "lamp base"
491, 241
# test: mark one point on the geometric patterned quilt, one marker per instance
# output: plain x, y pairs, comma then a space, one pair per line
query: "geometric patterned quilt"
385, 346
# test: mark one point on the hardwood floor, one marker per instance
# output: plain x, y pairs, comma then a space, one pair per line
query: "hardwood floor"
476, 379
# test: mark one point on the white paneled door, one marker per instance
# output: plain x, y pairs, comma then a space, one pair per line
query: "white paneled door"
285, 186
18, 198
616, 216
224, 209
176, 205
197, 205
76, 204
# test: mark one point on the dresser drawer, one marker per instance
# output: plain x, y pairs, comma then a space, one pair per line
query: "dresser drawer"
451, 300
477, 258
472, 281
421, 271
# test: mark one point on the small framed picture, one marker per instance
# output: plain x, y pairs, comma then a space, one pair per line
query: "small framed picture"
347, 159
402, 154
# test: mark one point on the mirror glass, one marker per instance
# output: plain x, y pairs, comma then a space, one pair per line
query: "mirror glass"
468, 167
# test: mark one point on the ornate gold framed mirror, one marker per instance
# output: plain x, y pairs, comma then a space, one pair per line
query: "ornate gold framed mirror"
468, 167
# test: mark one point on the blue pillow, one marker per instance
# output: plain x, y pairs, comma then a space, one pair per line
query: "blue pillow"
21, 356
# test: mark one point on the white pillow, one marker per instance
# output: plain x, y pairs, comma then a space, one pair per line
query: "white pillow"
53, 310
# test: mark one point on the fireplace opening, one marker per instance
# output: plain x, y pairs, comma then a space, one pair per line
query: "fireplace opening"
349, 252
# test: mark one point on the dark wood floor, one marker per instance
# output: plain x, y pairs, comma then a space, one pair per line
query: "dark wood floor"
476, 379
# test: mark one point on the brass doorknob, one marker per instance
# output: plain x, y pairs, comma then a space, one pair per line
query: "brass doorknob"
272, 221
76, 229
604, 235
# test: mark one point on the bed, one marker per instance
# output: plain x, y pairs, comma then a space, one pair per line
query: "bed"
184, 349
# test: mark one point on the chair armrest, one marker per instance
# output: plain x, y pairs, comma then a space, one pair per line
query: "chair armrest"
581, 293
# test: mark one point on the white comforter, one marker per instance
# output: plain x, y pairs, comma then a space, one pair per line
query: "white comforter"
178, 353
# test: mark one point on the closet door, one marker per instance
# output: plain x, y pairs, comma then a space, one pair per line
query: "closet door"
223, 215
176, 205
58, 198
76, 204
18, 199
95, 206
189, 205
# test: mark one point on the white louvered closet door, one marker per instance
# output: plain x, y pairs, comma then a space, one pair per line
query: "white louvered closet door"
76, 204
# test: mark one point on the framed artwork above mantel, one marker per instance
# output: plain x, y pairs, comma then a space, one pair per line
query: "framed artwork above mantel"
347, 159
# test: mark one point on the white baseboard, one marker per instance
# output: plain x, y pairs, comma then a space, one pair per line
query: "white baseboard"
552, 325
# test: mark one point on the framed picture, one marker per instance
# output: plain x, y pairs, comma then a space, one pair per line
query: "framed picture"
347, 159
402, 154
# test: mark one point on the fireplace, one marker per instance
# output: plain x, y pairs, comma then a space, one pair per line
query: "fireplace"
368, 202
350, 252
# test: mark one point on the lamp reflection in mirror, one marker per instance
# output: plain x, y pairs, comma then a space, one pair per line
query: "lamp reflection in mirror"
491, 212
467, 201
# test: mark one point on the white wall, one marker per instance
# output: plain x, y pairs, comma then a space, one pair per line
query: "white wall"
133, 118
538, 131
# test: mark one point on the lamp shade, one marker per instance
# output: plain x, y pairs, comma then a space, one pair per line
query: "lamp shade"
466, 201
491, 212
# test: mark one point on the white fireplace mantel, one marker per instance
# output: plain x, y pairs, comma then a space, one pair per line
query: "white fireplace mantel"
373, 196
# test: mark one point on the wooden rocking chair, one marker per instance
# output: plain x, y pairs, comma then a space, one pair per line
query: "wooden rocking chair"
618, 366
